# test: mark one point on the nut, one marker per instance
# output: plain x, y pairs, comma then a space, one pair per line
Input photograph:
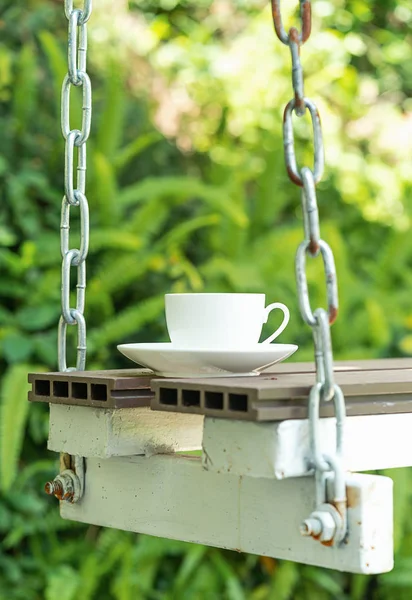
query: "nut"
324, 524
327, 525
65, 487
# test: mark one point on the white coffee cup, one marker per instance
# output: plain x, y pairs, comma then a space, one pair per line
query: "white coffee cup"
219, 320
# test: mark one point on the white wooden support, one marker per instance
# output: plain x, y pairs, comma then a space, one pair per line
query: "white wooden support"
281, 449
174, 497
98, 432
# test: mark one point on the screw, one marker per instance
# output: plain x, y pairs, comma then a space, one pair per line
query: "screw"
311, 527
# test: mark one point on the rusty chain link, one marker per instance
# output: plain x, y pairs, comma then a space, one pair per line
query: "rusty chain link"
319, 320
305, 17
289, 142
74, 194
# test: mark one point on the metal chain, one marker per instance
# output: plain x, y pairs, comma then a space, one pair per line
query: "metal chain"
74, 192
319, 320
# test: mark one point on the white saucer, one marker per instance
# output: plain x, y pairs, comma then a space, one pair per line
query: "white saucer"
168, 360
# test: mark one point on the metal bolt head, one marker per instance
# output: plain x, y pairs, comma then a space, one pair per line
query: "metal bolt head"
311, 527
324, 524
328, 526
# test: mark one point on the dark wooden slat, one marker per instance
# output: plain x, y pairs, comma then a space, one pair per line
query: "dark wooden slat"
265, 397
279, 396
100, 389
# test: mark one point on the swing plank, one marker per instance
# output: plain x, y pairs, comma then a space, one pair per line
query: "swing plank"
101, 389
96, 432
281, 449
173, 497
127, 388
271, 449
280, 396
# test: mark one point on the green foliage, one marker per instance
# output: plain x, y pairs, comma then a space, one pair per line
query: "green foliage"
13, 415
188, 192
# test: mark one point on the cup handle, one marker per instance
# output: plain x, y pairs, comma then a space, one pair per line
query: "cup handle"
286, 318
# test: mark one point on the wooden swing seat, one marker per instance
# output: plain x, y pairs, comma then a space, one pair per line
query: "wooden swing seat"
371, 387
250, 488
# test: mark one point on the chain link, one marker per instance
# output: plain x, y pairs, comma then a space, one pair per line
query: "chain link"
85, 12
310, 211
83, 135
81, 342
321, 461
70, 259
81, 254
323, 350
319, 320
72, 193
302, 282
297, 72
305, 17
76, 139
77, 47
289, 142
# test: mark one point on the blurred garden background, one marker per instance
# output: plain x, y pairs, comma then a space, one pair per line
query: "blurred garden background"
188, 192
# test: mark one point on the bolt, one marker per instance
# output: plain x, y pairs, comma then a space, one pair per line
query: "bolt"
54, 488
63, 486
311, 527
324, 524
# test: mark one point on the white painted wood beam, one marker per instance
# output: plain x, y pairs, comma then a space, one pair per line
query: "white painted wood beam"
174, 497
280, 450
98, 432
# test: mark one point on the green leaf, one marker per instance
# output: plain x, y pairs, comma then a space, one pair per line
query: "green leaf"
7, 236
128, 322
62, 583
324, 580
17, 347
359, 586
24, 503
109, 239
284, 581
28, 528
141, 143
5, 518
104, 197
148, 220
112, 116
25, 88
46, 468
45, 347
14, 409
11, 568
6, 318
400, 577
183, 189
233, 586
114, 276
402, 492
190, 562
180, 233
34, 318
57, 62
